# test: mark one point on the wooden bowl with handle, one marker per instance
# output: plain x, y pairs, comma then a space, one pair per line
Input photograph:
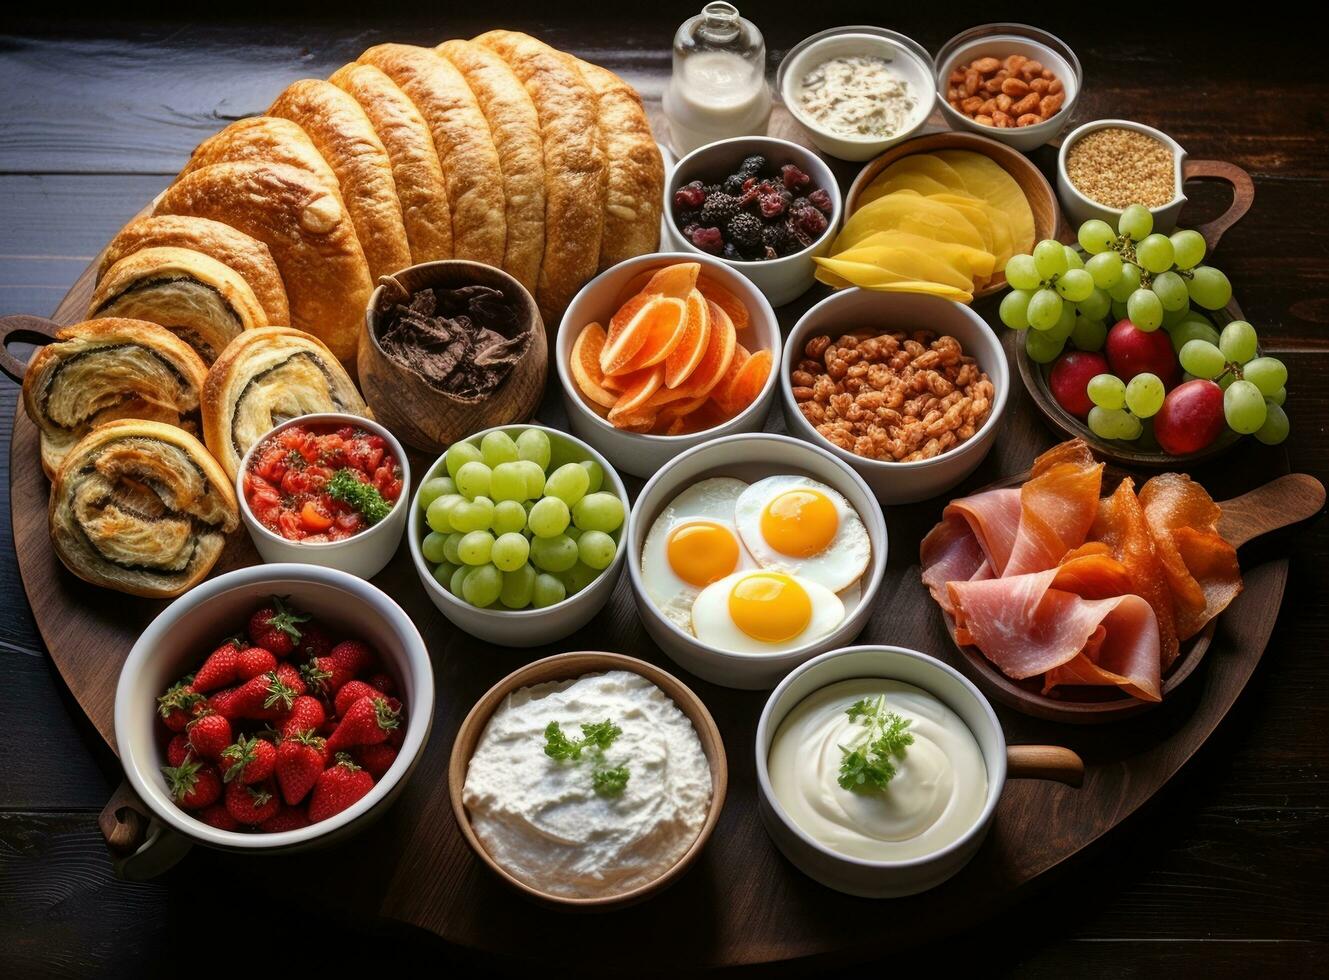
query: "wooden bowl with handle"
421, 415
1037, 191
570, 666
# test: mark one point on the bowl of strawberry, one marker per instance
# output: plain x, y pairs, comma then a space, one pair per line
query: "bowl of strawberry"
274, 707
764, 206
326, 489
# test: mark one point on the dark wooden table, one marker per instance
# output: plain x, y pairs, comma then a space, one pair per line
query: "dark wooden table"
1225, 872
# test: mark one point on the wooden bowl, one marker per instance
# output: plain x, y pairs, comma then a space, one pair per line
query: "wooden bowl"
1037, 191
1035, 377
568, 666
419, 414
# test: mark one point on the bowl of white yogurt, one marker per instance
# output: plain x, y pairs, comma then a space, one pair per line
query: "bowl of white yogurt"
588, 780
858, 90
880, 768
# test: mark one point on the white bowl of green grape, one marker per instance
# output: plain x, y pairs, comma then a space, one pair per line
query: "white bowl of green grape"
516, 534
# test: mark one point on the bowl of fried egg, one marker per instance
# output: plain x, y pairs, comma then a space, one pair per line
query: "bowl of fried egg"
753, 553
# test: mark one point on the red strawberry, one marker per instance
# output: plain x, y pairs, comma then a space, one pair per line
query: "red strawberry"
299, 761
384, 683
251, 804
209, 734
218, 816
353, 656
179, 704
289, 676
276, 627
177, 750
286, 818
223, 702
338, 787
315, 641
324, 675
366, 722
252, 661
351, 692
265, 697
248, 760
306, 715
193, 784
378, 759
219, 669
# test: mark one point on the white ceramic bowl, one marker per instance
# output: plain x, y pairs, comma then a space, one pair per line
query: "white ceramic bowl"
752, 457
853, 309
1080, 208
362, 554
1001, 41
785, 279
178, 640
858, 876
642, 454
908, 58
523, 627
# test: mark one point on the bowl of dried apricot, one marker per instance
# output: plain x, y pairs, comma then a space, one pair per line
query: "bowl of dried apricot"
663, 352
904, 387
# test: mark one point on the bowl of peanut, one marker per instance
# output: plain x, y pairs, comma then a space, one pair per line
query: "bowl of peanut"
906, 388
1011, 82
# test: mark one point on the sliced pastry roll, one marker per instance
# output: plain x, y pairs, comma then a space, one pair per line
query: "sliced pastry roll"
200, 300
576, 178
306, 228
265, 377
265, 139
141, 507
345, 137
421, 187
229, 246
109, 369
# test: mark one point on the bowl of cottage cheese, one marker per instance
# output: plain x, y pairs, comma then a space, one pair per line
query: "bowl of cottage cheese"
588, 779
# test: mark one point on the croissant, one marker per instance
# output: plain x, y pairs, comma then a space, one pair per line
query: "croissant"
263, 139
141, 507
575, 173
265, 377
307, 230
418, 175
344, 136
203, 302
108, 369
247, 256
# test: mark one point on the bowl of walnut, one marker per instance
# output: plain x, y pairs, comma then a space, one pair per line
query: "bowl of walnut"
905, 388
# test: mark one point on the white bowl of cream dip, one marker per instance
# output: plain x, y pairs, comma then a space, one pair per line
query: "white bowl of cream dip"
879, 770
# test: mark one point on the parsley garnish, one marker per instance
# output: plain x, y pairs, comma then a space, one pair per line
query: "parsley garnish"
868, 767
347, 487
595, 738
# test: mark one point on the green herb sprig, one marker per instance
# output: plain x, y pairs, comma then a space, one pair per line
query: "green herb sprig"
870, 766
347, 487
596, 737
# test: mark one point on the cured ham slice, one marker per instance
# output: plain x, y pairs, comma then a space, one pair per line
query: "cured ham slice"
1201, 568
1058, 505
1033, 624
973, 541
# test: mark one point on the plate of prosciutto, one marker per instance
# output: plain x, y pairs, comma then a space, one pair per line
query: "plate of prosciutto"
1076, 596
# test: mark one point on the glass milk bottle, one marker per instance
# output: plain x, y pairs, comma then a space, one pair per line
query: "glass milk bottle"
718, 88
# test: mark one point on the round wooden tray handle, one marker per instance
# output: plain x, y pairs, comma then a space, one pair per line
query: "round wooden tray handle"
22, 329
1044, 762
1243, 193
1292, 498
141, 847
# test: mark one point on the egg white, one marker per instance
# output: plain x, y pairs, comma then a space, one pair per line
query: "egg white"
712, 624
837, 566
710, 500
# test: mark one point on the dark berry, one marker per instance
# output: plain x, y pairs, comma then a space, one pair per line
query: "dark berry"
710, 189
689, 195
708, 240
772, 205
820, 200
718, 209
754, 164
801, 239
690, 229
733, 184
810, 220
793, 177
775, 236
745, 231
798, 204
685, 218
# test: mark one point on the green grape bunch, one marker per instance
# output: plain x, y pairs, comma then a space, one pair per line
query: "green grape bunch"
1254, 387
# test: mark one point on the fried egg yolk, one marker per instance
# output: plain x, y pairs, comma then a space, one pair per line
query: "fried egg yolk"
702, 552
800, 522
770, 607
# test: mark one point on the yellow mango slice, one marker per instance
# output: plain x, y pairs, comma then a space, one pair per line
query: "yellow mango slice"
909, 212
985, 178
986, 218
909, 264
922, 164
977, 263
919, 183
874, 277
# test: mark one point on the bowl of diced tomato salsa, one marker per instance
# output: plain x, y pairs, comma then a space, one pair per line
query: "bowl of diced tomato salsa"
326, 489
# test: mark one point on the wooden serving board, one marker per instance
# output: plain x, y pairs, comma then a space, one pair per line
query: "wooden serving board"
742, 903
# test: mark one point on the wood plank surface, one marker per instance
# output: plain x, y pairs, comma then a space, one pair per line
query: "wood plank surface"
1224, 871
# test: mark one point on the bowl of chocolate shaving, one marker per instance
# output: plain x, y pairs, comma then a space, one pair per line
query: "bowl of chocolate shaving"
450, 348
